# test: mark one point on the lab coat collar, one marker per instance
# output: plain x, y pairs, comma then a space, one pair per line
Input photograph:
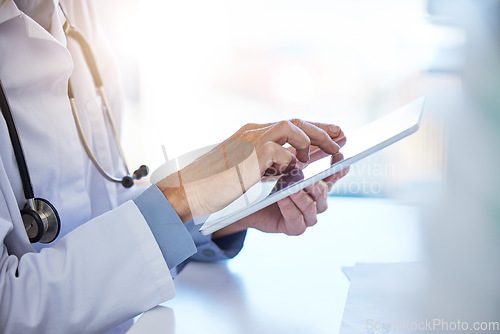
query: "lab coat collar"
8, 10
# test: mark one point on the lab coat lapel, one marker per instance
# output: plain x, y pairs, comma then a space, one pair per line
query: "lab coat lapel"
8, 10
34, 30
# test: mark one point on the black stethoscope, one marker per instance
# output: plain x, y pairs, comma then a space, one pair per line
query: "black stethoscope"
40, 217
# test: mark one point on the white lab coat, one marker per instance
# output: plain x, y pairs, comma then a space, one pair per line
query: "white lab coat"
105, 266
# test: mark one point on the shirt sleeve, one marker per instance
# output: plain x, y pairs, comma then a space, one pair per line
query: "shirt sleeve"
212, 250
174, 240
180, 242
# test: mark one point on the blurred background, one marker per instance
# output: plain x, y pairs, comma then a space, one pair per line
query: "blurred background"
195, 71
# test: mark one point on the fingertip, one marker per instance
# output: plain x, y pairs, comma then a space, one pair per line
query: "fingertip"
334, 130
336, 158
303, 155
331, 147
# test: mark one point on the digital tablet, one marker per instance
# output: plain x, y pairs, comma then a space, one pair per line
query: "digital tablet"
360, 144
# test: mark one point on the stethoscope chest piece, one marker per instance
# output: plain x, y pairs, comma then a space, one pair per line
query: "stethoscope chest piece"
41, 221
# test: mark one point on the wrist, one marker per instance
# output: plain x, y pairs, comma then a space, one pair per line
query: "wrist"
176, 196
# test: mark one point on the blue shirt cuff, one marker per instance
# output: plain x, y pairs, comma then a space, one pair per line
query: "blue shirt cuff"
213, 250
174, 240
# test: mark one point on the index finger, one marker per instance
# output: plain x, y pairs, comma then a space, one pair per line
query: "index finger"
321, 137
287, 132
333, 130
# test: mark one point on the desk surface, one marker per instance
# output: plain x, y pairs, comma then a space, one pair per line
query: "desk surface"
281, 284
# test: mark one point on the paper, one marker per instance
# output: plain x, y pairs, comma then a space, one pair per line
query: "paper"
382, 298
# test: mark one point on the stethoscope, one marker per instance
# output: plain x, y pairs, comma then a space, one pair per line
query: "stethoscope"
40, 217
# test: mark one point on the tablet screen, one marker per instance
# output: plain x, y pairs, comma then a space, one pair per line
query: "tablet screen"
360, 144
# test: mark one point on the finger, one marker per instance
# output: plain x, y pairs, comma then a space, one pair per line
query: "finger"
277, 169
333, 130
300, 164
341, 140
332, 179
313, 149
274, 155
317, 154
287, 132
294, 223
319, 193
307, 206
249, 127
336, 158
318, 136
255, 126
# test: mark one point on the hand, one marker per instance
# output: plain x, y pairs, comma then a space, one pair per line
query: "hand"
291, 215
226, 172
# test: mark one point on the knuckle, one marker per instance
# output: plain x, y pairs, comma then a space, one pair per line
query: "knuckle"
248, 126
300, 196
268, 149
297, 220
311, 208
296, 121
243, 129
284, 124
324, 188
287, 205
318, 190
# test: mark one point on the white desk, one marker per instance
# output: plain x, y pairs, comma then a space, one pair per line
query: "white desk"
281, 284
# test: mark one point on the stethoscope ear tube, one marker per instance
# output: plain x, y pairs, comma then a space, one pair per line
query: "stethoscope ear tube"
127, 181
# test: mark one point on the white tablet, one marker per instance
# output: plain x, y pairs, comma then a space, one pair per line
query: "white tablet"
364, 142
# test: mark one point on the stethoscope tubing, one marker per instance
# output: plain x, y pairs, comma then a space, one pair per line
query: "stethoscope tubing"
73, 33
17, 146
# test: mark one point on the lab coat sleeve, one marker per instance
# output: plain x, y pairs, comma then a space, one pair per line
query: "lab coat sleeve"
106, 271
